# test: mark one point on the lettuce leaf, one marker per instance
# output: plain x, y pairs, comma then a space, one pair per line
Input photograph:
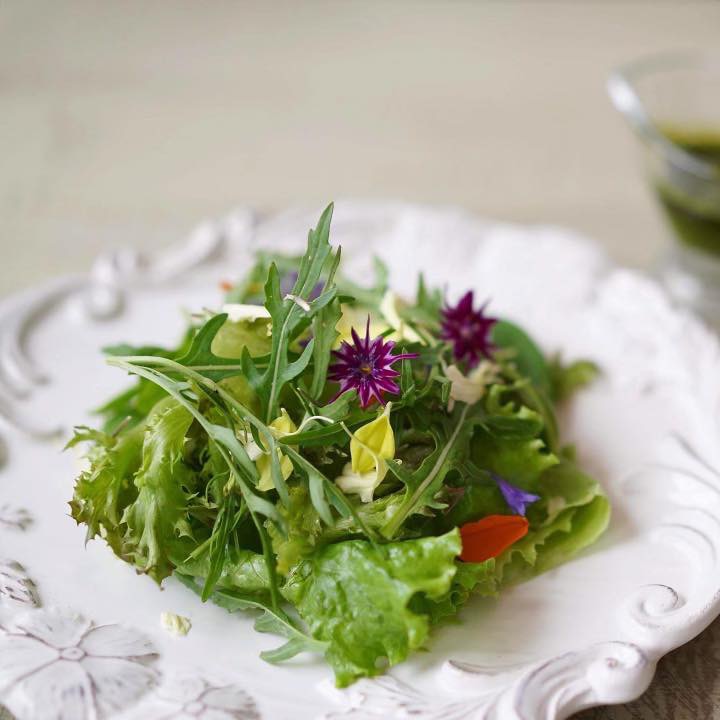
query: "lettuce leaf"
243, 570
470, 579
106, 487
356, 597
158, 516
545, 547
519, 461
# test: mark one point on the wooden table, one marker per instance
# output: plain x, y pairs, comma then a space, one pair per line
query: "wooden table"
126, 122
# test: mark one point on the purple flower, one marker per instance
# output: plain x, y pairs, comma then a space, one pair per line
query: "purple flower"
515, 497
366, 366
468, 330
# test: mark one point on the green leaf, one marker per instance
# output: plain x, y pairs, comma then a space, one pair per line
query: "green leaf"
288, 315
527, 356
271, 620
242, 571
565, 380
518, 460
355, 597
423, 484
106, 487
304, 530
158, 516
234, 337
560, 487
507, 418
545, 547
200, 356
470, 579
325, 335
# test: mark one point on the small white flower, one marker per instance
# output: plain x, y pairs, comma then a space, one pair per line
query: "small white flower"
188, 697
237, 312
470, 388
55, 665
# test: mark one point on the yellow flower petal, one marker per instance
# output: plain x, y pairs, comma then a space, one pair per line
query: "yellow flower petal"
389, 310
280, 427
373, 442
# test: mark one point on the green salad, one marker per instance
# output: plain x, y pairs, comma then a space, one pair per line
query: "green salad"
348, 466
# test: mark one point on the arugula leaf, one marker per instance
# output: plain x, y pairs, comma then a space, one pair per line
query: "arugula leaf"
159, 513
325, 334
289, 316
271, 620
200, 356
422, 485
355, 597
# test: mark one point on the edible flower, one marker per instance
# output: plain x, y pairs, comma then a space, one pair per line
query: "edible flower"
517, 498
391, 315
487, 538
366, 366
468, 330
471, 387
238, 312
370, 447
280, 427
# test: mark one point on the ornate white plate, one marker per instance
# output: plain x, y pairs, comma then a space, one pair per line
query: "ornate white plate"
80, 632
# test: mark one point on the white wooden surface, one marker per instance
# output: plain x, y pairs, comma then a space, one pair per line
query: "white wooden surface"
127, 121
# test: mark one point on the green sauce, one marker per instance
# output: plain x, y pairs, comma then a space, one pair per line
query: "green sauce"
695, 218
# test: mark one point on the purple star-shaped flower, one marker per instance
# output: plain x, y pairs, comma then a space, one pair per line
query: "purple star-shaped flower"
468, 330
517, 498
366, 366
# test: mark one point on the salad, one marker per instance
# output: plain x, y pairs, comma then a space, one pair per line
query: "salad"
348, 466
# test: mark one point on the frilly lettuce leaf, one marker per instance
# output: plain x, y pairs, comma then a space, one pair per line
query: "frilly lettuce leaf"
158, 516
106, 487
470, 579
547, 546
562, 486
519, 461
356, 596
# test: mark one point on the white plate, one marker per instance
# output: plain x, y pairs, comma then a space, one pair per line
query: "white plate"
587, 633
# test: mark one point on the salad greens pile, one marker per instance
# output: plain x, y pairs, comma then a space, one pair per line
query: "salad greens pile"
349, 466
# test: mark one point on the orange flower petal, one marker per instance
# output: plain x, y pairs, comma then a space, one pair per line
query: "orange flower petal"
226, 285
487, 538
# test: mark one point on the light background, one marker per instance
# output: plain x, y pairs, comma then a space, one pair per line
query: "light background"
127, 122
